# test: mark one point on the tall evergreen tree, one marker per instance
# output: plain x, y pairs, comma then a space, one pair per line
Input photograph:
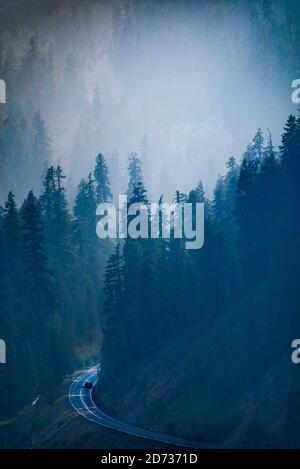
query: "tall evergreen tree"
57, 220
103, 191
41, 150
135, 175
85, 220
39, 306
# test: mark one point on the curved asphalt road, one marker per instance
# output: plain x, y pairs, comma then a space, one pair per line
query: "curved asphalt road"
82, 401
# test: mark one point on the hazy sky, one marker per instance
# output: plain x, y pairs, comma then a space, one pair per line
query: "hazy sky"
198, 78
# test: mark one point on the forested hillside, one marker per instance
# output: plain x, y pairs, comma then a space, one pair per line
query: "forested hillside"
52, 265
192, 338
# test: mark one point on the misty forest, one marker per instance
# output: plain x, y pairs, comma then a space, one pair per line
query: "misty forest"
194, 343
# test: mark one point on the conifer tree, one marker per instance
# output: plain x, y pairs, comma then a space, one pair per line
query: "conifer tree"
135, 175
41, 150
97, 117
38, 276
57, 221
290, 147
103, 191
39, 306
145, 153
85, 220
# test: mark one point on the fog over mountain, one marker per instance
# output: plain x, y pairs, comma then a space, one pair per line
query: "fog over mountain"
197, 80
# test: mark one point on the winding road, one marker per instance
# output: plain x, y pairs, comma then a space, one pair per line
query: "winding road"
81, 399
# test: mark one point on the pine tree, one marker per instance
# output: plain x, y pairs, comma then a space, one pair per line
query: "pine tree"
97, 117
12, 321
41, 151
290, 147
34, 257
31, 72
146, 157
39, 300
14, 153
231, 183
135, 175
257, 145
57, 220
49, 88
200, 192
218, 204
139, 193
85, 220
72, 83
103, 191
246, 213
117, 178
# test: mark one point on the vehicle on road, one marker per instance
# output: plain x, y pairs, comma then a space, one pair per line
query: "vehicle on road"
88, 384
